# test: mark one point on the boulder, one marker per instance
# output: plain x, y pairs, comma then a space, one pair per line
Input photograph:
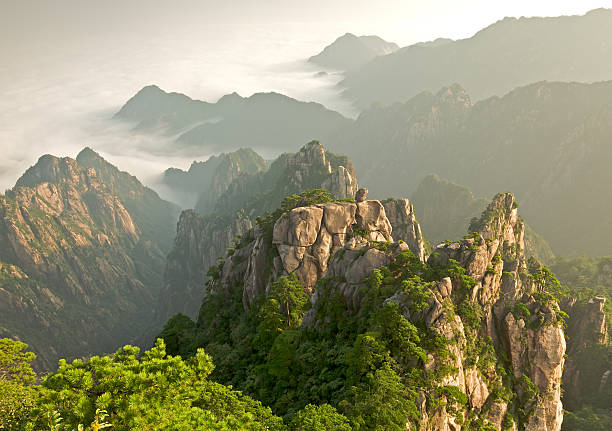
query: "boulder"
361, 195
371, 216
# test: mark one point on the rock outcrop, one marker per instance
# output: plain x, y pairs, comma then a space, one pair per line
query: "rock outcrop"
202, 240
401, 215
83, 248
201, 185
493, 313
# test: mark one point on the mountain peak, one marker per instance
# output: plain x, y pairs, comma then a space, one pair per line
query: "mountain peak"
87, 154
49, 169
350, 51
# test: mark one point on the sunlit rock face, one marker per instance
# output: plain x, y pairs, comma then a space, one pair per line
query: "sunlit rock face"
83, 247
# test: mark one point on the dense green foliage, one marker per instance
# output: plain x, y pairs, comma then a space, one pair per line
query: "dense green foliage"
125, 391
17, 397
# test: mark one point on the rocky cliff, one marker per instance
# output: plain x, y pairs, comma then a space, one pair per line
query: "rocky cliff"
201, 240
491, 349
83, 248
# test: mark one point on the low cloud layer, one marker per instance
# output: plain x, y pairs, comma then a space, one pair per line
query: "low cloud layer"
60, 100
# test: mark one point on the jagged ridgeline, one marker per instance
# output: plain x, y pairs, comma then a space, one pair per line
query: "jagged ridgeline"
230, 206
327, 301
82, 258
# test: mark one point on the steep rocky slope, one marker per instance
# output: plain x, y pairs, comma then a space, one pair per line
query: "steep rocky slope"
82, 257
469, 337
230, 123
547, 142
507, 54
201, 240
350, 51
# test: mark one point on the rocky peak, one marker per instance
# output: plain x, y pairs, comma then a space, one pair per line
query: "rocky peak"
89, 243
51, 169
401, 215
108, 173
350, 51
228, 167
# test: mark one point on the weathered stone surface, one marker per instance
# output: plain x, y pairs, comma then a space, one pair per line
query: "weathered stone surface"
321, 231
280, 234
304, 225
254, 280
339, 217
341, 183
476, 388
291, 256
370, 216
400, 213
322, 249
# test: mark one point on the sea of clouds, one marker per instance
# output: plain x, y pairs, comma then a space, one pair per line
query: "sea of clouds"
58, 96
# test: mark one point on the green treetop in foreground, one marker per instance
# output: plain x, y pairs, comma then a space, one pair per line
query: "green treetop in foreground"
129, 391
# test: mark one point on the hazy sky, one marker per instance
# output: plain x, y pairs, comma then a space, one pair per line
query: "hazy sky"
404, 22
67, 65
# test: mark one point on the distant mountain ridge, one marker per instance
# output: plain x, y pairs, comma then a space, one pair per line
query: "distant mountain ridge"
205, 181
507, 54
546, 142
350, 51
263, 121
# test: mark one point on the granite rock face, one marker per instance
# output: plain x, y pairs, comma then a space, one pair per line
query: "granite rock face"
494, 257
344, 242
401, 215
333, 239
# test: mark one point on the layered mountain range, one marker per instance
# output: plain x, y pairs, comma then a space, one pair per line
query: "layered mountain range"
547, 142
266, 121
507, 54
82, 257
